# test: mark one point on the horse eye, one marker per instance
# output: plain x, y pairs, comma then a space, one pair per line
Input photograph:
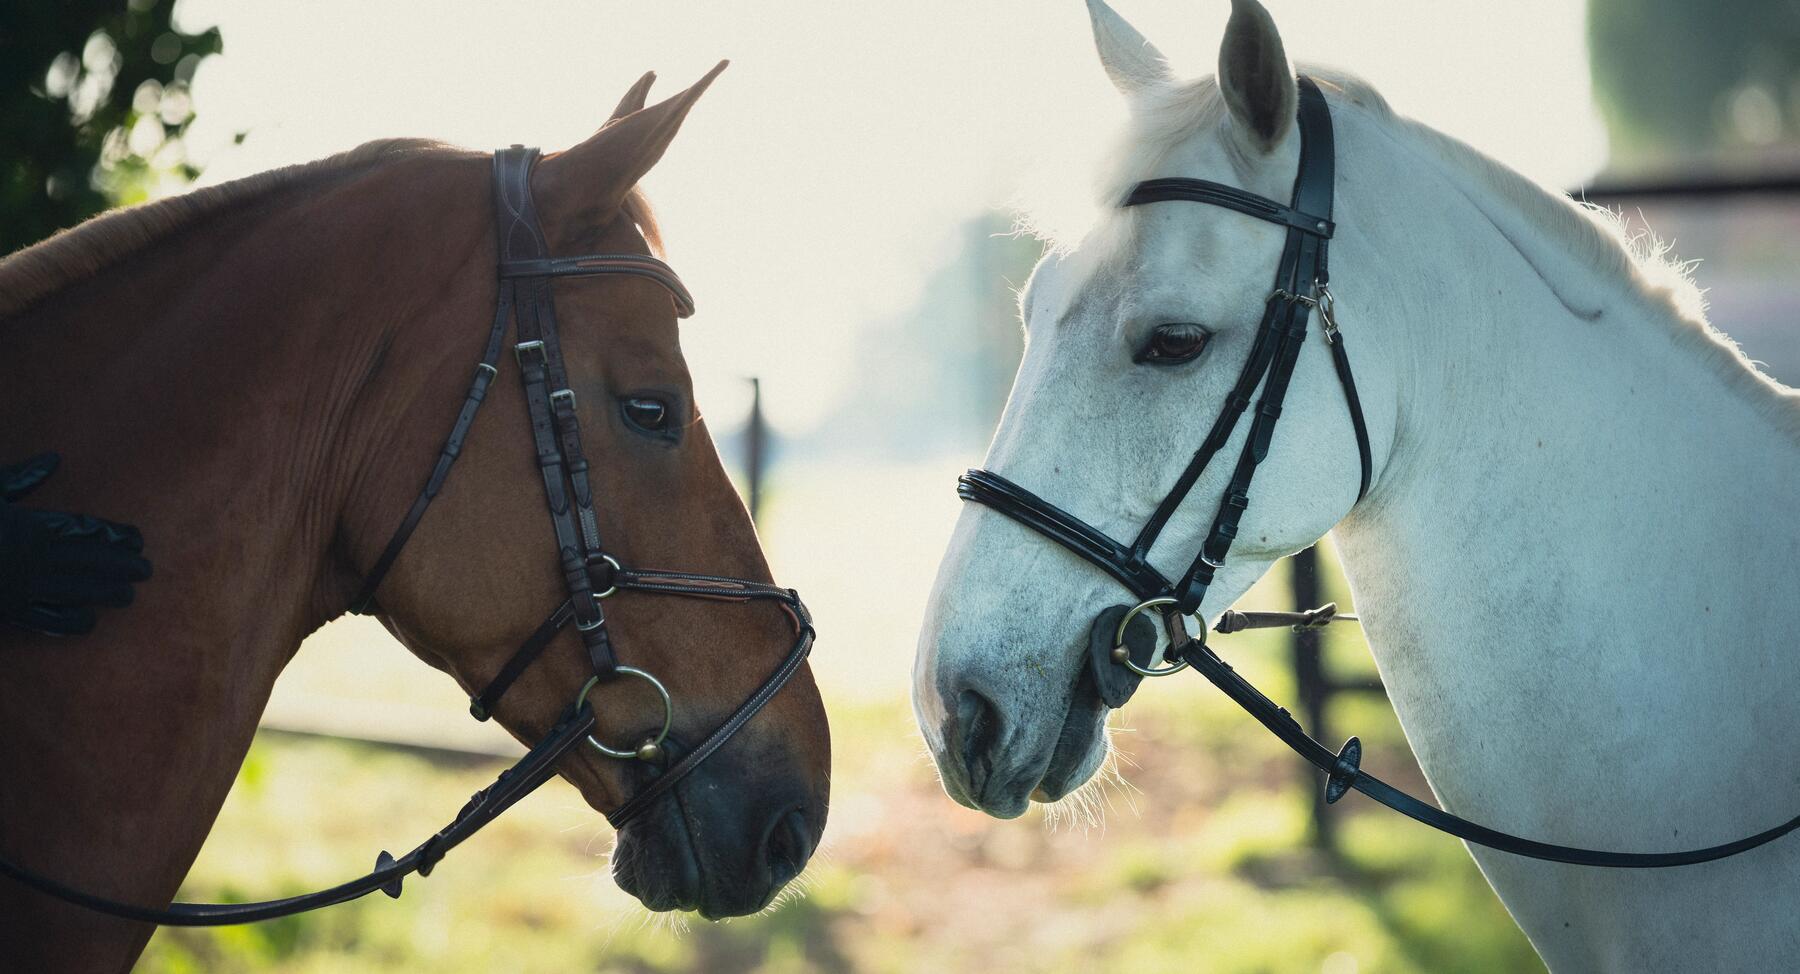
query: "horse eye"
649, 415
1173, 344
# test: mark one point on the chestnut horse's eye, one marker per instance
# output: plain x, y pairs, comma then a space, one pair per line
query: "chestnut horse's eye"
648, 414
1173, 344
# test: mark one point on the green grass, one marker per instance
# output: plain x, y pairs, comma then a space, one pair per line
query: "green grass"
1203, 862
1211, 872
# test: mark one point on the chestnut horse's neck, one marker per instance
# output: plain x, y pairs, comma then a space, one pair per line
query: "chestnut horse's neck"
238, 389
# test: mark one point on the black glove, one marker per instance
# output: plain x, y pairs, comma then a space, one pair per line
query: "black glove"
56, 567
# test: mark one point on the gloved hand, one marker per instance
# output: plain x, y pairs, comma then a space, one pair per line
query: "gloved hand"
56, 567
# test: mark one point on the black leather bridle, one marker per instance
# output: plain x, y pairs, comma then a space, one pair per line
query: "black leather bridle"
525, 274
1121, 655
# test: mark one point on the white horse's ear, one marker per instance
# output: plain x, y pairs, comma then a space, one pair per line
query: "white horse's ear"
1131, 62
1254, 76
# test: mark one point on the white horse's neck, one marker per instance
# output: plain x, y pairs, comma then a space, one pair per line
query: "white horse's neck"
1576, 565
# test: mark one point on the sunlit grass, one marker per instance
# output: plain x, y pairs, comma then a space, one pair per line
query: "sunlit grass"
1208, 869
1192, 850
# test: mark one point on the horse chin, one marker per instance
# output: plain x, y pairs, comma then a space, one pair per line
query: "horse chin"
721, 844
657, 861
1080, 745
654, 860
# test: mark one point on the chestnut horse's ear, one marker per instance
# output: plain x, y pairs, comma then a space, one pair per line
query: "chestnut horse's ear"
634, 97
1254, 77
587, 182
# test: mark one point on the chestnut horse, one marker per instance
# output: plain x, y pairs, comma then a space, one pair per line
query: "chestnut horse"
259, 375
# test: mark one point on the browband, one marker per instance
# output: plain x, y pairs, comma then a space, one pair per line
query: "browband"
596, 264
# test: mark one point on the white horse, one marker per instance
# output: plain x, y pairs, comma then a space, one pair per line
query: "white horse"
1576, 564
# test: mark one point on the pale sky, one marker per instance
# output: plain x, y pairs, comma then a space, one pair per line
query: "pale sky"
821, 181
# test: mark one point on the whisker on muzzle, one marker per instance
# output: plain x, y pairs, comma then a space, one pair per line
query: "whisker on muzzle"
1086, 807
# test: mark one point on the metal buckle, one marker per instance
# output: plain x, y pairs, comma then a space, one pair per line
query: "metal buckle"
563, 394
1323, 302
484, 367
1122, 656
612, 577
1327, 311
520, 349
651, 748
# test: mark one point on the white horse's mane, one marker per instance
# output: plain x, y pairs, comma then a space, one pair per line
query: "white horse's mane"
1639, 265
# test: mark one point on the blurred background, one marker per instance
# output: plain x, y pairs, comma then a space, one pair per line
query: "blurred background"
879, 153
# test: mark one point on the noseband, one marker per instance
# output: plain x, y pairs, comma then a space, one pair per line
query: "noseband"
1120, 656
589, 572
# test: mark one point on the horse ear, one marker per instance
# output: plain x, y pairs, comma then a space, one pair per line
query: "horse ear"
1254, 76
589, 181
1132, 62
634, 97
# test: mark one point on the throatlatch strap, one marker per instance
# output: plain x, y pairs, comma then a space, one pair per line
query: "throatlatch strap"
1340, 360
481, 706
453, 444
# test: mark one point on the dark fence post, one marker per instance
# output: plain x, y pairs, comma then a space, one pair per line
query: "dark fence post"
1311, 686
755, 437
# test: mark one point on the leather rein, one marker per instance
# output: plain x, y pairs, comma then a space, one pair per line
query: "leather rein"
1123, 643
525, 274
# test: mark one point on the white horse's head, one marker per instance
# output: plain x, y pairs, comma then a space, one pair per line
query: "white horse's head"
1134, 338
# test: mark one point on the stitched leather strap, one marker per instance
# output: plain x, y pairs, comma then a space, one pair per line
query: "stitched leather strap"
1134, 572
592, 264
481, 706
1232, 198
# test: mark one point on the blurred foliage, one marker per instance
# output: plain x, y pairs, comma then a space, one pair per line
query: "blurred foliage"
1680, 82
95, 98
1193, 856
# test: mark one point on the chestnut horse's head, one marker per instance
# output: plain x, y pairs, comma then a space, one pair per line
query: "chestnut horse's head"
483, 570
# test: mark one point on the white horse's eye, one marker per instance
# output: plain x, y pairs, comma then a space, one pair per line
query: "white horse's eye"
1173, 344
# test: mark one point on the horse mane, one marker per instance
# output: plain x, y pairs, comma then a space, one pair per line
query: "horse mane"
1640, 267
78, 253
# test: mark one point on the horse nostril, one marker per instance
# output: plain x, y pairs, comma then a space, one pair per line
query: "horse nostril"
979, 721
790, 845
